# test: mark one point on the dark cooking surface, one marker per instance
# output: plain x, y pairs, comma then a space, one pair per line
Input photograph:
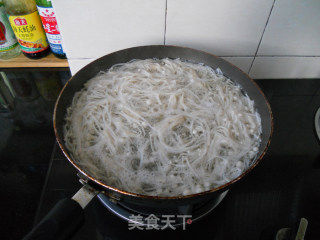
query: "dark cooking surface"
284, 187
26, 142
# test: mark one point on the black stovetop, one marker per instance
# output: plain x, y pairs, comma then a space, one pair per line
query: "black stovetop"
281, 190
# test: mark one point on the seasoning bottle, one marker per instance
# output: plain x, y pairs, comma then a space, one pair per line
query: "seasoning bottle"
9, 47
50, 26
26, 25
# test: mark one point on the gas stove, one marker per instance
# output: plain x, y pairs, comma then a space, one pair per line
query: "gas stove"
157, 218
283, 189
274, 196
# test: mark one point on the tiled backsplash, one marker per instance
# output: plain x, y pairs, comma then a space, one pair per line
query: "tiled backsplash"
225, 28
265, 38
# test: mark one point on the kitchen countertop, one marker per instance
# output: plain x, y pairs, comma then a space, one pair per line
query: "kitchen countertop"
281, 190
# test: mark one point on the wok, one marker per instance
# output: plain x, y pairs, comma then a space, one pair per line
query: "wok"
69, 214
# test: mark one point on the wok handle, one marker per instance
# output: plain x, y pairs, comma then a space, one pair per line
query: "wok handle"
65, 218
61, 222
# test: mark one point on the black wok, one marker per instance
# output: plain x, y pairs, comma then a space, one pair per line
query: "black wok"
116, 195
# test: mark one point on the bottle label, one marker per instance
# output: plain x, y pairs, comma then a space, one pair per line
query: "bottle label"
7, 38
50, 26
29, 32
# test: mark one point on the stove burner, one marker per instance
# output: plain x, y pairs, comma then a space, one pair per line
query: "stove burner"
179, 216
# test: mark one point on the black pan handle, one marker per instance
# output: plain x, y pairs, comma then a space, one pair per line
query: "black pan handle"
61, 222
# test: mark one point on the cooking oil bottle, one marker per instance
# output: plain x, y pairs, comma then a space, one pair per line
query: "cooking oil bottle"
27, 26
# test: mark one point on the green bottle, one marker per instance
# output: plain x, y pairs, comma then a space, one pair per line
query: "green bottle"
9, 46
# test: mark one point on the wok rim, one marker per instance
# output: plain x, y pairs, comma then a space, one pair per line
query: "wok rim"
213, 190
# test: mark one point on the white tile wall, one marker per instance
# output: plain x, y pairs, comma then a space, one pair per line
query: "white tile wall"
224, 28
77, 64
93, 29
290, 46
293, 29
243, 63
285, 67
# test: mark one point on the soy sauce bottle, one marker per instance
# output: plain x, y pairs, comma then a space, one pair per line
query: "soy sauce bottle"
51, 28
27, 26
